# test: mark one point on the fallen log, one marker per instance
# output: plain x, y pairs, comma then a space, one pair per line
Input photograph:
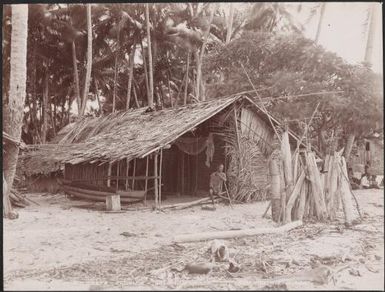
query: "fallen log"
235, 233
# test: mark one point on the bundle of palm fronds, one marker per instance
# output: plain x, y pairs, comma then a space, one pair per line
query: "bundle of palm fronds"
247, 172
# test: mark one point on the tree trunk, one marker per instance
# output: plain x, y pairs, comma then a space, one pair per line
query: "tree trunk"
97, 96
349, 146
115, 77
76, 76
45, 108
230, 23
87, 80
186, 84
371, 33
130, 76
150, 69
14, 106
199, 84
145, 70
320, 22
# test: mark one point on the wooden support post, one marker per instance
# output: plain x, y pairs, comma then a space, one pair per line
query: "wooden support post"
182, 173
113, 203
127, 168
117, 174
160, 176
133, 175
146, 182
109, 174
156, 190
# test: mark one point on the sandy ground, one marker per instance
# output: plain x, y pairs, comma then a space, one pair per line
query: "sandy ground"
61, 246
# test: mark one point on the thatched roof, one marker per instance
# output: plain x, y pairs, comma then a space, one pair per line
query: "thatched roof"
129, 134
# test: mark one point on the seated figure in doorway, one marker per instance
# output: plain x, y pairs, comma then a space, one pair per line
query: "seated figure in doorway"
216, 181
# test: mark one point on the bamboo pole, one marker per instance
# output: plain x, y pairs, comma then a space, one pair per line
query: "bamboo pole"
146, 183
156, 180
133, 176
160, 176
262, 105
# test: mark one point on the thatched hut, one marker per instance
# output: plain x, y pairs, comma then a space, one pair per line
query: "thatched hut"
169, 152
369, 151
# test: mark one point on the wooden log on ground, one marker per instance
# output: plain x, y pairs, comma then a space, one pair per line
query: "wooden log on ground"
316, 187
235, 233
294, 195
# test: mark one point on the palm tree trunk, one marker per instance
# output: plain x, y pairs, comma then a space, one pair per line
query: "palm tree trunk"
150, 69
13, 107
76, 75
87, 80
130, 77
230, 23
34, 98
320, 21
371, 33
186, 84
45, 108
199, 83
145, 70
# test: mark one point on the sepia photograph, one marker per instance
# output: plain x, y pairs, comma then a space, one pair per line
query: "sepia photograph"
193, 146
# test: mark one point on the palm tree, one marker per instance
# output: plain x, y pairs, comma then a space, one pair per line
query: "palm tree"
320, 21
371, 32
14, 101
150, 68
89, 61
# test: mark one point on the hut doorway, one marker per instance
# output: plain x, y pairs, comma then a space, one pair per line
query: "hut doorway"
188, 174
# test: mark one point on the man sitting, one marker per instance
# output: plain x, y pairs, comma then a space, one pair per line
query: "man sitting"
216, 181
